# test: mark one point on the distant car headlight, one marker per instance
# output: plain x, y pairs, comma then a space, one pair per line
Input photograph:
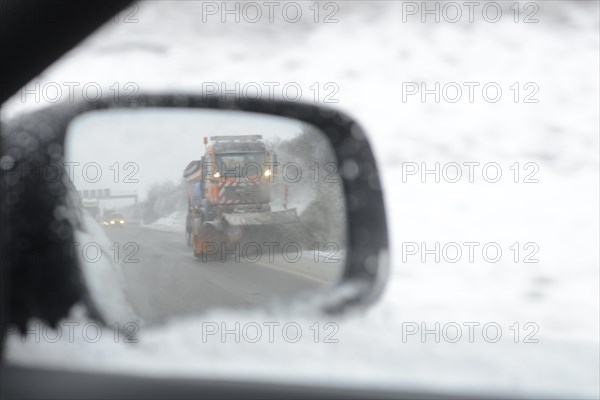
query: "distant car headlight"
268, 172
112, 222
217, 175
121, 222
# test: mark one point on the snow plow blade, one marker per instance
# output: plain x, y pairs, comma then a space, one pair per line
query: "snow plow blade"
268, 218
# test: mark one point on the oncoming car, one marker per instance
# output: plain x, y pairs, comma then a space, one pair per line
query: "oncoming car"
114, 219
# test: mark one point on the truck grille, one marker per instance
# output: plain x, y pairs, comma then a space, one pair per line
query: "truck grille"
245, 194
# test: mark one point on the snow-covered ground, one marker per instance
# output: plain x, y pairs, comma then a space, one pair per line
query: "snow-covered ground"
368, 55
174, 222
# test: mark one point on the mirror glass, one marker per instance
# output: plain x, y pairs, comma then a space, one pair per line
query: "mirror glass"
185, 210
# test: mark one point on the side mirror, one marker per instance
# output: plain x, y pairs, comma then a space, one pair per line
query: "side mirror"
149, 140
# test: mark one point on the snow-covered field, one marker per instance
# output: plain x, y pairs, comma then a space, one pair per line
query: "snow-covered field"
368, 55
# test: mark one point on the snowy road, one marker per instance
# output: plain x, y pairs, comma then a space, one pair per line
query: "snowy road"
161, 278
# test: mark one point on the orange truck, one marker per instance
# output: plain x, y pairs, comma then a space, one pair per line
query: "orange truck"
229, 190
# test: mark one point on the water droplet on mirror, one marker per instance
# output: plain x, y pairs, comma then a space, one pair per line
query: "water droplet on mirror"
350, 169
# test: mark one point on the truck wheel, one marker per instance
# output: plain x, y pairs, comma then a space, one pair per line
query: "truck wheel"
198, 256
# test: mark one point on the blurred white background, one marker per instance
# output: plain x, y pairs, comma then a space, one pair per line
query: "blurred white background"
368, 56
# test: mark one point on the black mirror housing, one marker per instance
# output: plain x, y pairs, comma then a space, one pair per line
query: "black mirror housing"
29, 204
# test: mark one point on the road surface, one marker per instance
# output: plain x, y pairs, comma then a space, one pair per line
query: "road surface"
161, 279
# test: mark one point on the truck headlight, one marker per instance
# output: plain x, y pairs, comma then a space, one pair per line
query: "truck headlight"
268, 173
217, 175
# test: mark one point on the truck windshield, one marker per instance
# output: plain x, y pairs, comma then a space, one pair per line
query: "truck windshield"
240, 164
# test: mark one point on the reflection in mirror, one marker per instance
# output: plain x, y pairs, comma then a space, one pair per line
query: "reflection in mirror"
187, 210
